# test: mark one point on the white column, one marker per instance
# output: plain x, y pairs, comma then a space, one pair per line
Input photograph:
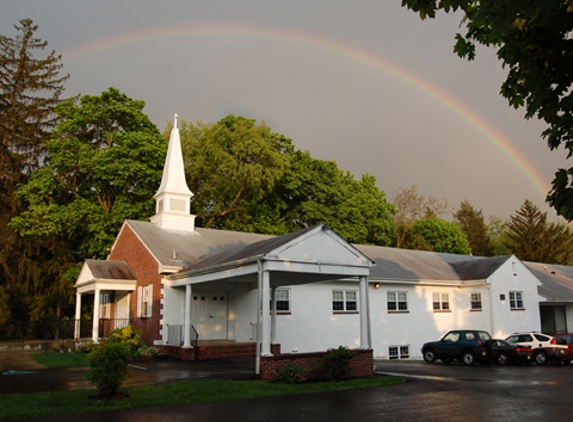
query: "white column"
78, 315
266, 315
95, 324
274, 316
259, 319
187, 323
364, 315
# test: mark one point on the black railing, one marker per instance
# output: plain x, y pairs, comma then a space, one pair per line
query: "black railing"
176, 335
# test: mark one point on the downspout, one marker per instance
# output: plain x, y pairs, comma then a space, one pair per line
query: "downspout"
259, 311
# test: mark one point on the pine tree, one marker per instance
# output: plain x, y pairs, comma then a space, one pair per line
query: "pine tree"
30, 88
473, 225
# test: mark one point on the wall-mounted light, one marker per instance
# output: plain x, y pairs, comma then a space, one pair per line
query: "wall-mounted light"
377, 286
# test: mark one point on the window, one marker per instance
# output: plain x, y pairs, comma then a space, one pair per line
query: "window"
397, 301
344, 301
398, 352
515, 300
476, 301
441, 301
282, 300
145, 300
104, 306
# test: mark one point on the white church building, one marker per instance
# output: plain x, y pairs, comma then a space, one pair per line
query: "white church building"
305, 292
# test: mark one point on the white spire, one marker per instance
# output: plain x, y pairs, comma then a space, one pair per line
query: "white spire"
173, 198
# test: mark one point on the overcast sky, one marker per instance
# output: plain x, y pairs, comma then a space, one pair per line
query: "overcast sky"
362, 82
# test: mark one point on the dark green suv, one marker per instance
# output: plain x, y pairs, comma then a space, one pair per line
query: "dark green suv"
467, 346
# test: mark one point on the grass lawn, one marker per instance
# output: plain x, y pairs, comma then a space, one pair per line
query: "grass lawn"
79, 401
58, 360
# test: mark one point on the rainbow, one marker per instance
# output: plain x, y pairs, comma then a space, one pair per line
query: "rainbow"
345, 51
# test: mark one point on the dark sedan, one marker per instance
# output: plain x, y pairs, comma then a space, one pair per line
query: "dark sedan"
508, 352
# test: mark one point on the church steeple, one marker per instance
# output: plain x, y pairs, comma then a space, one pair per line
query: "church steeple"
173, 198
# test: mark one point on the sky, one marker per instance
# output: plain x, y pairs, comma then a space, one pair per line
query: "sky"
364, 82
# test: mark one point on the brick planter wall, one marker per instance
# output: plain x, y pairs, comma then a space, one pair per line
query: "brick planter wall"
362, 364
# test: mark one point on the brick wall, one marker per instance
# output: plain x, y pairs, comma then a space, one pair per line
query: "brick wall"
362, 364
128, 247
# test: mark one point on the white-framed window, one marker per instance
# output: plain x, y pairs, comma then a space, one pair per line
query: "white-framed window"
475, 299
441, 301
515, 300
397, 301
282, 300
145, 300
398, 352
344, 301
105, 308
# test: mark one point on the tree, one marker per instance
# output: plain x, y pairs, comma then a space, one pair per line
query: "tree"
473, 225
531, 237
247, 178
433, 234
412, 206
229, 163
30, 88
533, 40
103, 164
318, 192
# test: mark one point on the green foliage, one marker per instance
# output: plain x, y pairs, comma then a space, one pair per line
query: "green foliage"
129, 337
246, 178
146, 353
60, 360
472, 223
105, 160
109, 367
336, 364
533, 42
432, 234
292, 374
30, 88
530, 237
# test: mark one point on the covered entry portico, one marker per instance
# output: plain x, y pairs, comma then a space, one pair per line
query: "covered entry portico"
312, 255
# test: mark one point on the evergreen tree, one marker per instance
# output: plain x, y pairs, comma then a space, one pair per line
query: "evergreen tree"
30, 88
531, 238
473, 225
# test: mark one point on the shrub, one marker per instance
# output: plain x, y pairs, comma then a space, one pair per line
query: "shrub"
336, 364
146, 353
109, 367
128, 336
292, 374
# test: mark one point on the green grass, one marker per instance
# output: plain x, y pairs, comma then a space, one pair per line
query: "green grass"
58, 360
78, 401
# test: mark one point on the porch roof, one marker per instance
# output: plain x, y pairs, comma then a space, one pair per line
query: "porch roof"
105, 275
309, 255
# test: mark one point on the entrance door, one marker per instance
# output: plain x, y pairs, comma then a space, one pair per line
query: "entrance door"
209, 315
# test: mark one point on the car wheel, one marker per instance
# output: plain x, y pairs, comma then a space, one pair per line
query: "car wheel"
429, 356
541, 358
503, 358
468, 358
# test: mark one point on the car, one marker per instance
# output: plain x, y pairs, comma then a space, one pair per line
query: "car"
467, 346
545, 347
507, 352
567, 337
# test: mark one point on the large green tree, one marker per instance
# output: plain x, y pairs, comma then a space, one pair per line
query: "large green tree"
434, 234
530, 237
247, 178
472, 223
30, 88
533, 41
103, 164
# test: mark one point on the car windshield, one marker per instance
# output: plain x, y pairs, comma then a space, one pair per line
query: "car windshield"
455, 336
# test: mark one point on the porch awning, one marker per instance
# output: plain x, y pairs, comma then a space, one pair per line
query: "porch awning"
105, 275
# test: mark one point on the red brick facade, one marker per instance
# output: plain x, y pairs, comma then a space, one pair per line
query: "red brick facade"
128, 247
362, 364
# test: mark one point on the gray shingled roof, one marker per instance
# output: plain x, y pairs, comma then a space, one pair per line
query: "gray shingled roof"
556, 281
172, 248
110, 270
208, 247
